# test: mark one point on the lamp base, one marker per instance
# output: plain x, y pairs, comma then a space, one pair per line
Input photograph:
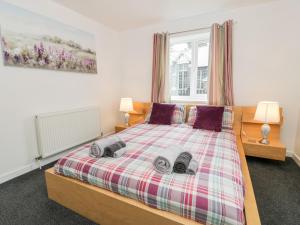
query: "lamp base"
265, 130
126, 116
264, 141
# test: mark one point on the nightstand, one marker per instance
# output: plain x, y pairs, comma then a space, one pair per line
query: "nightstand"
136, 116
275, 150
121, 127
251, 134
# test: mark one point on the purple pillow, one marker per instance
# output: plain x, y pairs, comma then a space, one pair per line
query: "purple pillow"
209, 118
161, 114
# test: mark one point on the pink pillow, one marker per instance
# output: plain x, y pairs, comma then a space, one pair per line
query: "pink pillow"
209, 118
161, 114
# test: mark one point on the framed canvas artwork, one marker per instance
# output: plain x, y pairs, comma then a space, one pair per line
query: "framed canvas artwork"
35, 41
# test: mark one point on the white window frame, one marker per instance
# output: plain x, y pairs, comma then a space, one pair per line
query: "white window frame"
195, 39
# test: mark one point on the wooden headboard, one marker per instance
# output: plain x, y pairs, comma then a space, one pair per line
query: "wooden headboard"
139, 113
140, 110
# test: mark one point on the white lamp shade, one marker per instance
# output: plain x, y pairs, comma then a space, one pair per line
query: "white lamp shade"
267, 112
126, 105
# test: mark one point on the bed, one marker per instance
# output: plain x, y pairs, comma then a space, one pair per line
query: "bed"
128, 191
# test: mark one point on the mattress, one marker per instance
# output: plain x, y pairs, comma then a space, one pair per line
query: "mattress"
215, 195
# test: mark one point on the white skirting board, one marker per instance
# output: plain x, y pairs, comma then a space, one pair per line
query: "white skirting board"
297, 159
27, 168
34, 165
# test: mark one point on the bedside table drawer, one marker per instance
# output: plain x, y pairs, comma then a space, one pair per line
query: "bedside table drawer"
265, 151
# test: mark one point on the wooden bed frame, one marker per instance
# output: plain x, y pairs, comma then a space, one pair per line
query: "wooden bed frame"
108, 208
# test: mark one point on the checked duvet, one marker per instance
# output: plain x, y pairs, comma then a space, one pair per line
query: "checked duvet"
215, 195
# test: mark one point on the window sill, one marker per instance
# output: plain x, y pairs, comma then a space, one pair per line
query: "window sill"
202, 99
189, 101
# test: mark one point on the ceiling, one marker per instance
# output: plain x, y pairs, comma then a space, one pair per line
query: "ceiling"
129, 14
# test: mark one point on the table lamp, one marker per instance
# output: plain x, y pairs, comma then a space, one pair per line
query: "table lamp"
267, 112
126, 106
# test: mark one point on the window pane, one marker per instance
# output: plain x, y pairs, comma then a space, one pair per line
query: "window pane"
180, 68
202, 80
202, 68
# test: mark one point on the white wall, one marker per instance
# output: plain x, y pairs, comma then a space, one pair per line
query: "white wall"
265, 57
297, 144
25, 92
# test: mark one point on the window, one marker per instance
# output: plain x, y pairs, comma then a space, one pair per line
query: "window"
189, 67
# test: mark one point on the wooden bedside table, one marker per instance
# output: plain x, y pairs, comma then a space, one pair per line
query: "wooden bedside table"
121, 127
275, 150
136, 116
251, 134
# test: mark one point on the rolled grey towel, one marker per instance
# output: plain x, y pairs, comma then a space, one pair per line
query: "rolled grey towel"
120, 152
193, 167
96, 151
123, 144
97, 148
182, 162
164, 162
111, 149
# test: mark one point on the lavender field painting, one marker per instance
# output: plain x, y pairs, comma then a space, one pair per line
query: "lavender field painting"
34, 41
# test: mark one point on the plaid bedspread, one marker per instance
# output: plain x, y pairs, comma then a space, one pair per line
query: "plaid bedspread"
215, 195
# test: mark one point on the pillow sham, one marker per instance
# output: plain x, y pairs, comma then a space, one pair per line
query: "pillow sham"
192, 116
227, 121
228, 118
209, 118
161, 114
178, 116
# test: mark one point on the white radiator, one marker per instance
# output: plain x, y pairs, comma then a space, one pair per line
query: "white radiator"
60, 131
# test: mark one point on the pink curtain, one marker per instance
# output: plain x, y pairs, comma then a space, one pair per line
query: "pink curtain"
159, 67
220, 65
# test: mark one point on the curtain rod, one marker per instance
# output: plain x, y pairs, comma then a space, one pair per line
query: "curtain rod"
184, 31
200, 28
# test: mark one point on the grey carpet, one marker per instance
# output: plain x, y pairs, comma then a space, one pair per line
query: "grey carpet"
277, 190
23, 201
